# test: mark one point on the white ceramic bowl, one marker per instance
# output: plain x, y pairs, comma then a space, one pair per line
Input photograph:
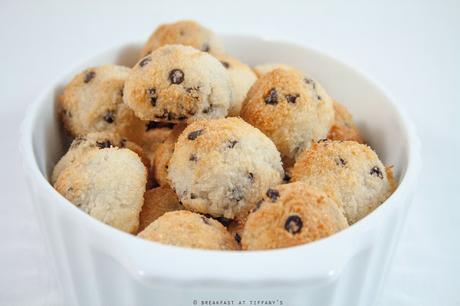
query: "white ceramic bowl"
99, 265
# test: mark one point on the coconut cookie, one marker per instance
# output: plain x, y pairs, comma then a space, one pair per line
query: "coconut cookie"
223, 167
108, 184
177, 83
289, 215
290, 109
242, 78
262, 69
157, 202
101, 140
343, 127
349, 172
93, 102
186, 32
163, 155
188, 229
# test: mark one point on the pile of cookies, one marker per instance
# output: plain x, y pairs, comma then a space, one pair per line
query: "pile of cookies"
191, 147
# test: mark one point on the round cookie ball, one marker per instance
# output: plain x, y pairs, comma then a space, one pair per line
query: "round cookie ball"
188, 229
186, 32
108, 184
163, 155
177, 83
349, 172
223, 167
157, 202
262, 69
290, 215
99, 140
242, 78
290, 109
93, 102
343, 127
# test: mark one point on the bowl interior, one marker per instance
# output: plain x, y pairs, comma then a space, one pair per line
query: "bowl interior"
375, 115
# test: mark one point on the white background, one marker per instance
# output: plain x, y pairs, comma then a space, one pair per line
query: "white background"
411, 48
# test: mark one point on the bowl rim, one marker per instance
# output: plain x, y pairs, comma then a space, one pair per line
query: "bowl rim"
329, 266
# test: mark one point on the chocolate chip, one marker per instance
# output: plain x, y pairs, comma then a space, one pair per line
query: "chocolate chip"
340, 161
104, 144
225, 64
109, 117
308, 81
205, 47
322, 140
292, 98
193, 157
286, 178
208, 109
192, 196
375, 171
251, 176
89, 76
194, 135
123, 143
273, 194
152, 94
293, 224
121, 91
205, 220
271, 97
145, 61
157, 125
319, 97
258, 205
237, 194
231, 143
224, 221
237, 238
176, 76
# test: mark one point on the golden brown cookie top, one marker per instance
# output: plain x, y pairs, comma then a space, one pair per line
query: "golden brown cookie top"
185, 32
176, 83
349, 172
344, 127
291, 109
292, 214
222, 167
98, 140
188, 229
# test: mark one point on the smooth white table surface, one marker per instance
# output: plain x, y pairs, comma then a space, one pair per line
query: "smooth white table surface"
411, 49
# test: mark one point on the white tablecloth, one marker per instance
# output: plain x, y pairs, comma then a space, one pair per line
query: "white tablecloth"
411, 49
